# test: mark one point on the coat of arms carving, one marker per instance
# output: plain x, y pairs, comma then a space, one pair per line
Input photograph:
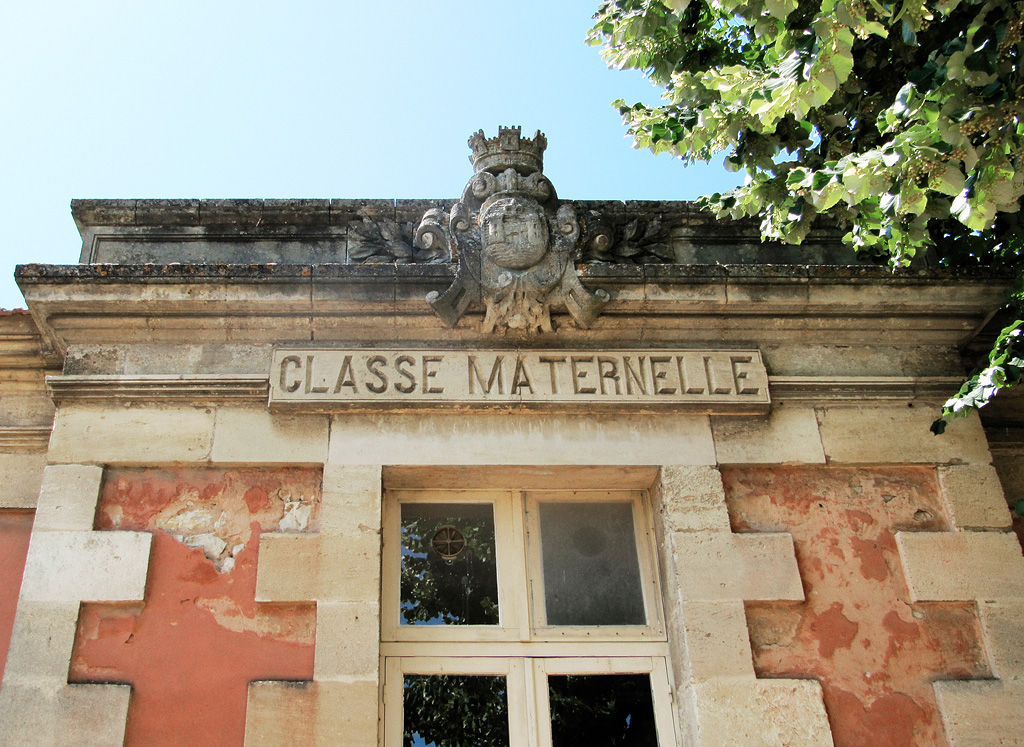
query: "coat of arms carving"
515, 243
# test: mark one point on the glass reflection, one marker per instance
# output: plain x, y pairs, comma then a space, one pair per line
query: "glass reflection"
449, 575
591, 571
455, 711
602, 710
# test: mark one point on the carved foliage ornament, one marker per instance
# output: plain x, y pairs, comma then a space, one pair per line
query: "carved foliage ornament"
516, 245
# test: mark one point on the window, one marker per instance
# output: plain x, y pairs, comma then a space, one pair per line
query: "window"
522, 618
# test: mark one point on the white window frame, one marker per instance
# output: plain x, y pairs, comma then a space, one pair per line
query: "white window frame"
521, 647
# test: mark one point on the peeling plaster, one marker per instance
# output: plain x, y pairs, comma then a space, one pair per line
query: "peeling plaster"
191, 649
215, 517
875, 654
15, 531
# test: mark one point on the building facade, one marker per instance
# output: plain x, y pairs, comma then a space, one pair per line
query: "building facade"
506, 469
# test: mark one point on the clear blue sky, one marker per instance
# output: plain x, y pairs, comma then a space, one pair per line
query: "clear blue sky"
224, 98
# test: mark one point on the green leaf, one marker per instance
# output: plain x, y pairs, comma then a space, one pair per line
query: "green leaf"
780, 8
948, 181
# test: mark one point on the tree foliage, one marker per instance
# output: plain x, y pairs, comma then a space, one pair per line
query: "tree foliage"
901, 120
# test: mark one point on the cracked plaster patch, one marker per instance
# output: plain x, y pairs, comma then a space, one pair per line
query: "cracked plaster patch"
214, 511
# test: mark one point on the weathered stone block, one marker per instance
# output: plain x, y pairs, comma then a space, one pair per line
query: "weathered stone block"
148, 435
271, 716
347, 641
41, 642
289, 568
534, 440
787, 436
947, 566
883, 435
742, 712
717, 640
258, 437
692, 499
974, 497
86, 566
350, 567
351, 498
80, 715
68, 497
295, 568
21, 474
26, 409
349, 709
1003, 623
718, 566
980, 714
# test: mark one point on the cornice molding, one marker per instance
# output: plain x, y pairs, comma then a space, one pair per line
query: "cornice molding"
850, 389
1005, 439
251, 388
24, 438
201, 389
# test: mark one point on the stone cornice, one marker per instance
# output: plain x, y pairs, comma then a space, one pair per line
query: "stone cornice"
177, 272
847, 389
239, 388
1005, 439
199, 390
24, 438
23, 352
657, 305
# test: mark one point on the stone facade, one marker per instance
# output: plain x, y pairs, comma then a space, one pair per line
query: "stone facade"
200, 517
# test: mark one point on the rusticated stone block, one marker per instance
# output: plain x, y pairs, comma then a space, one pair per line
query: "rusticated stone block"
80, 715
43, 635
352, 498
746, 712
717, 640
717, 566
692, 499
885, 435
347, 641
89, 566
974, 496
980, 714
21, 474
950, 566
788, 435
140, 435
1003, 623
256, 436
270, 715
68, 497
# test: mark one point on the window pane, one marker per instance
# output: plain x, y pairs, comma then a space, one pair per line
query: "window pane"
455, 711
449, 574
602, 710
591, 572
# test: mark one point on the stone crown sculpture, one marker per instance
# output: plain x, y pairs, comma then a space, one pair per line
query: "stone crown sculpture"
508, 150
516, 244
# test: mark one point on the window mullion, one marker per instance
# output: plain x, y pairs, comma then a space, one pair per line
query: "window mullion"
517, 586
542, 708
522, 717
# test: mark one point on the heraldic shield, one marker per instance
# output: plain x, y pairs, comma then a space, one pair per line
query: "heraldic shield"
515, 243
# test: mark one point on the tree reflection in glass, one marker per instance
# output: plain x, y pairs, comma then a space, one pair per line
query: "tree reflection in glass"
455, 711
602, 710
449, 573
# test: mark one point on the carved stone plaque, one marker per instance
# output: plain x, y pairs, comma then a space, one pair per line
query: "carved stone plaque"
645, 380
